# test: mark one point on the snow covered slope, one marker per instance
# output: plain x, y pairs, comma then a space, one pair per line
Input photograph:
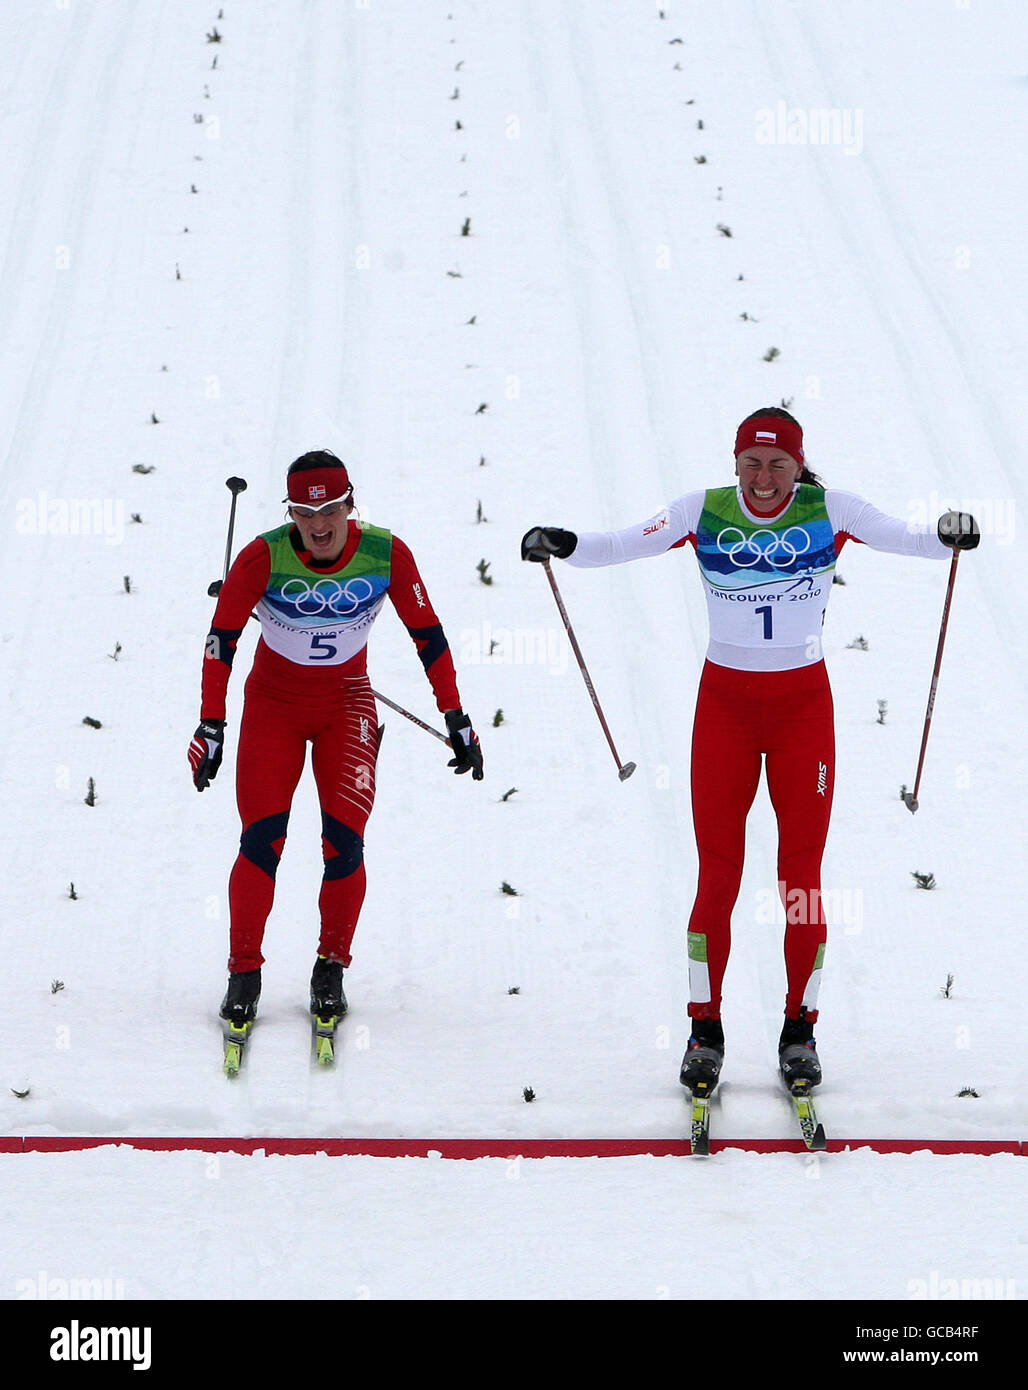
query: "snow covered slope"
217, 255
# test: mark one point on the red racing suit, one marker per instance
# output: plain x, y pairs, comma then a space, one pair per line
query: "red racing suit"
309, 684
763, 696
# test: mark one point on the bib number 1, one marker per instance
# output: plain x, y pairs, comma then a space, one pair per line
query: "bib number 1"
765, 613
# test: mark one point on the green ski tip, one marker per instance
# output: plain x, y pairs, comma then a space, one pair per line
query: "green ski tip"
233, 1058
235, 1038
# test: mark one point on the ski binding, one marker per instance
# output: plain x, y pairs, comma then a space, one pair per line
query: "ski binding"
235, 1042
324, 1038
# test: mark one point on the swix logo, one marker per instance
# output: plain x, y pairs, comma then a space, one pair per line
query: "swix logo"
822, 779
316, 492
657, 526
419, 596
365, 733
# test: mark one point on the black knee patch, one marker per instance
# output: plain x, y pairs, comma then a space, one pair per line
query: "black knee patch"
348, 846
257, 841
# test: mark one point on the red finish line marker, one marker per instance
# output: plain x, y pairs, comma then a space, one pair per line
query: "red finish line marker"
484, 1148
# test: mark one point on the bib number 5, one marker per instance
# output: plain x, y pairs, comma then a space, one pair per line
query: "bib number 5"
321, 648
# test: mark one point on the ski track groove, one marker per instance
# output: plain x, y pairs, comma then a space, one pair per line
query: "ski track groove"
592, 284
77, 205
1005, 602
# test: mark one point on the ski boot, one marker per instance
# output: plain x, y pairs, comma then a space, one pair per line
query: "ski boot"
239, 1007
701, 1065
327, 997
328, 1005
797, 1056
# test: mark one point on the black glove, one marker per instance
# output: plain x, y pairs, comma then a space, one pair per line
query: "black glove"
543, 542
959, 530
205, 751
464, 742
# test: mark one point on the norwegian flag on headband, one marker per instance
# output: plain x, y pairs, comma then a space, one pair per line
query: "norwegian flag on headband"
318, 486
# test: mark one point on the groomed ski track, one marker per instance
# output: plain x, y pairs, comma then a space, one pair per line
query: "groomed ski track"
208, 269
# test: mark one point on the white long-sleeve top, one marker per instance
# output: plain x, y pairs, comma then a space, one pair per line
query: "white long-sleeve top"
767, 579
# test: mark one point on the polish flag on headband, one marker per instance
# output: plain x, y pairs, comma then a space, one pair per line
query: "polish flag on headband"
773, 431
317, 487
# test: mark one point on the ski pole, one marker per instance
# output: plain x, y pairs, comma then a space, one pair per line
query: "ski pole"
412, 717
910, 798
235, 486
625, 770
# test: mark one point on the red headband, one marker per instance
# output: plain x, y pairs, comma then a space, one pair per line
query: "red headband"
315, 487
771, 430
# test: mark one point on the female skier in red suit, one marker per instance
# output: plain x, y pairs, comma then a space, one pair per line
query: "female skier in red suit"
766, 549
318, 585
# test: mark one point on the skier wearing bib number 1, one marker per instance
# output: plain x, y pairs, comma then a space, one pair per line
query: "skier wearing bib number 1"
766, 550
318, 585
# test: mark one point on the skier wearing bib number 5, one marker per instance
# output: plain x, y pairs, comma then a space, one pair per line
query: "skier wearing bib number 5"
318, 584
766, 550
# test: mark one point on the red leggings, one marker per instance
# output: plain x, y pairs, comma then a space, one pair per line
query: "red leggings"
273, 738
786, 717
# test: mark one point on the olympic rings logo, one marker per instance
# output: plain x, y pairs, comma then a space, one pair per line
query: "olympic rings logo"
327, 595
778, 550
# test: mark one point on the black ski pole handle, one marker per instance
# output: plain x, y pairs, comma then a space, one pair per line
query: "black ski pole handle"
235, 486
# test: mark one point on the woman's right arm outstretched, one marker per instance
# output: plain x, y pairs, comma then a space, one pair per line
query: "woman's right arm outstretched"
672, 526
